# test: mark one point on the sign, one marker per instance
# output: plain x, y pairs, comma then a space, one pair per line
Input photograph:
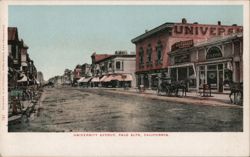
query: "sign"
206, 30
182, 44
182, 58
214, 52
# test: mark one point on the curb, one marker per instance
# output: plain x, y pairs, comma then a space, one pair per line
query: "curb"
190, 100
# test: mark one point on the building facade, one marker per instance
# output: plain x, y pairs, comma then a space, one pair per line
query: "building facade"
21, 69
209, 62
153, 46
115, 70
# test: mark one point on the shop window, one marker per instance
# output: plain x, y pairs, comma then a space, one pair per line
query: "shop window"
212, 78
191, 70
228, 74
214, 52
118, 65
182, 73
220, 66
173, 74
154, 81
202, 67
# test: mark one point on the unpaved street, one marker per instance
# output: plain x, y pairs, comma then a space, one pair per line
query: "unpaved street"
96, 110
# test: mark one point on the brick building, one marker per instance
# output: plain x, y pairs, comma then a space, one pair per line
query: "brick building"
153, 46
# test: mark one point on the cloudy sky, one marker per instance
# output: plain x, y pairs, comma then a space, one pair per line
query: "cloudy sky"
61, 37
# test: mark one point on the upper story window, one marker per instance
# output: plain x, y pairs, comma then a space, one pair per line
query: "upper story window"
141, 55
214, 52
118, 65
9, 49
159, 50
149, 53
17, 52
110, 65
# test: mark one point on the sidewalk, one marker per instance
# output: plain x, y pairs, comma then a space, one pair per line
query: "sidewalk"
27, 109
18, 116
190, 98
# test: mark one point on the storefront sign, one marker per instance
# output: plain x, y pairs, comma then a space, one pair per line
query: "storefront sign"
182, 44
182, 58
206, 30
214, 52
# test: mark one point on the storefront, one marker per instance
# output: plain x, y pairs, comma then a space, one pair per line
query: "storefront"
214, 74
151, 79
209, 62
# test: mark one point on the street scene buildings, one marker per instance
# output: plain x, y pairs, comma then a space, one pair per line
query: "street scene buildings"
24, 81
182, 76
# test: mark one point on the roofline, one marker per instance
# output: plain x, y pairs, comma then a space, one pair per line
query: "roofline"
153, 31
206, 43
169, 25
114, 56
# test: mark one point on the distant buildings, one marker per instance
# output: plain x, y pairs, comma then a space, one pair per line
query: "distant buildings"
113, 70
40, 77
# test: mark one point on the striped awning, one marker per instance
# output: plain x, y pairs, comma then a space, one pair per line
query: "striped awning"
81, 79
95, 79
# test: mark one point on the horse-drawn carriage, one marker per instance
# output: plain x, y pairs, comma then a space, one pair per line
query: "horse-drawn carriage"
172, 88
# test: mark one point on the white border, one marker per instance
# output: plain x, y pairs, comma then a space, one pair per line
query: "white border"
176, 144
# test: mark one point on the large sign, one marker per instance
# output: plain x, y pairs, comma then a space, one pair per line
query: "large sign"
182, 44
206, 30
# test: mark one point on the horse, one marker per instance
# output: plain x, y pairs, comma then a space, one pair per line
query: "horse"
235, 88
182, 84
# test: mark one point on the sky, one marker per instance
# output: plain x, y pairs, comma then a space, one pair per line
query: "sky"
61, 37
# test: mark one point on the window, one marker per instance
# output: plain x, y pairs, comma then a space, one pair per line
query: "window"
118, 65
9, 49
159, 52
214, 52
149, 54
141, 53
110, 65
16, 55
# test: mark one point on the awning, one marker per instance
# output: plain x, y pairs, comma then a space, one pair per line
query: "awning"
108, 78
81, 79
37, 82
116, 78
95, 79
87, 79
24, 64
103, 78
23, 79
